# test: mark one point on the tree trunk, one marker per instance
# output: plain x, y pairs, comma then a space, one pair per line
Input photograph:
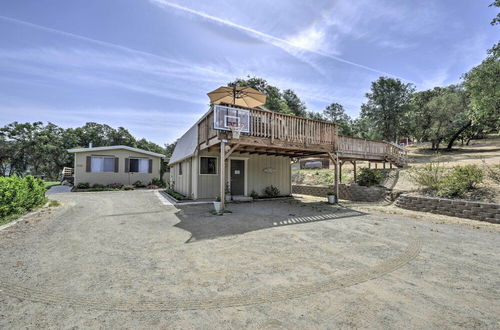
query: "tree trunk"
457, 134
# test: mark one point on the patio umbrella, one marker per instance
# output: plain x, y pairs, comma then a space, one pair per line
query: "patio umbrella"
242, 96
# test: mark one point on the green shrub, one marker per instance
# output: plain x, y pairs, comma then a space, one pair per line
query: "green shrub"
271, 191
175, 194
19, 195
83, 185
157, 182
139, 184
459, 180
428, 176
98, 186
369, 177
254, 194
128, 187
115, 185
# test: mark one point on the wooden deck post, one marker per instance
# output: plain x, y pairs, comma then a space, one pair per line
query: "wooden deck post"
355, 176
390, 165
376, 165
337, 177
340, 171
335, 161
369, 164
222, 176
384, 165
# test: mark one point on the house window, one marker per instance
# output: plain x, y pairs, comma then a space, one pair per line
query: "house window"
139, 165
102, 164
208, 165
180, 168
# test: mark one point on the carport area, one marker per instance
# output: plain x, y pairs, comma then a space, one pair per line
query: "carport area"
126, 259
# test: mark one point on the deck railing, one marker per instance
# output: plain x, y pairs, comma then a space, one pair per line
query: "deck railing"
290, 128
366, 147
276, 126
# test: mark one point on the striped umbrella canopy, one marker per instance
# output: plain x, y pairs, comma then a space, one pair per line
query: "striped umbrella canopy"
242, 96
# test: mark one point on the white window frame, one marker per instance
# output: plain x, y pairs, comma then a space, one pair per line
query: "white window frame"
102, 170
216, 165
138, 164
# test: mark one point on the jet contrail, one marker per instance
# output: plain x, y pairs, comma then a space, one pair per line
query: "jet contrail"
276, 41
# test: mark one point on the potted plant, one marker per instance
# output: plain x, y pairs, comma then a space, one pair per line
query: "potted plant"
331, 197
217, 205
227, 193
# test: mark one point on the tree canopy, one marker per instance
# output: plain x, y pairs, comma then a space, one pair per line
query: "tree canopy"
387, 106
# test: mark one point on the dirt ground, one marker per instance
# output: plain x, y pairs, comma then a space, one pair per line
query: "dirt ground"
127, 260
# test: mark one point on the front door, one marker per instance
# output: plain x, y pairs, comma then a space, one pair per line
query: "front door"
237, 177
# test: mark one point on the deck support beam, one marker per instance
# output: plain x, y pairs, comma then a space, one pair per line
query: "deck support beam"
233, 148
222, 175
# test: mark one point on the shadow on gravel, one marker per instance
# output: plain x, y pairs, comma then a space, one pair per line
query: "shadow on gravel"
248, 217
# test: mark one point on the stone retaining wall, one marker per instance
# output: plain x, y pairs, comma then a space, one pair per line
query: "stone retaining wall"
353, 192
458, 208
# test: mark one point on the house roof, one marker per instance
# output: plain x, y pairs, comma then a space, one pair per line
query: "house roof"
142, 151
186, 145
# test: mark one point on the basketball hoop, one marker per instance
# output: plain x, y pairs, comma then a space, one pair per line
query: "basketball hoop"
236, 130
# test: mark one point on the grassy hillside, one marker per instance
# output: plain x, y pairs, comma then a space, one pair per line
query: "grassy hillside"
485, 152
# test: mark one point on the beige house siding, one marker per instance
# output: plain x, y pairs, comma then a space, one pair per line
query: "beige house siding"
203, 186
182, 183
81, 175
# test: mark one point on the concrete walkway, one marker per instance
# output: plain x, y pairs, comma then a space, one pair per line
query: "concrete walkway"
58, 190
123, 259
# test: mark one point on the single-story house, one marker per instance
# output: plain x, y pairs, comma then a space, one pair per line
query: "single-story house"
115, 164
196, 173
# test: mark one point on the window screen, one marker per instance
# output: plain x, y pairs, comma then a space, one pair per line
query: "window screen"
102, 164
180, 168
208, 165
139, 165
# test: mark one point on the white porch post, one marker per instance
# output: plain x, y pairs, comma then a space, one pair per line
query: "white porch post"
222, 174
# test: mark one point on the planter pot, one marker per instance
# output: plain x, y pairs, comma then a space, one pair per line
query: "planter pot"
228, 198
331, 199
217, 207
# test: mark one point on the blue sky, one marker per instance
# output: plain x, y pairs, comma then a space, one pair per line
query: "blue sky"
148, 64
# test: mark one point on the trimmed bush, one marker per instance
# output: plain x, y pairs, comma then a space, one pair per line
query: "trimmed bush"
128, 187
369, 177
271, 191
19, 195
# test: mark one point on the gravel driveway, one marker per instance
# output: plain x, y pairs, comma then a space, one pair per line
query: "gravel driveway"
127, 260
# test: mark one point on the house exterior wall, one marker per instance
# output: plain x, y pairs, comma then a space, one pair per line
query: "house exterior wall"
81, 175
182, 183
278, 174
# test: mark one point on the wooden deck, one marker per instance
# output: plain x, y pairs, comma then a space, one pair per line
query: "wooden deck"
278, 134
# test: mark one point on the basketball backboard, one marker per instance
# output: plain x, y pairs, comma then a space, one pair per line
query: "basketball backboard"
226, 118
